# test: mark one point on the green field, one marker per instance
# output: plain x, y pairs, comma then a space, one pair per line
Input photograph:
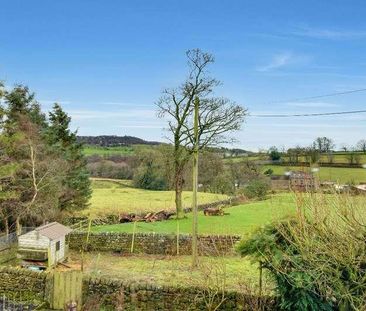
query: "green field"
118, 197
338, 158
170, 271
241, 219
337, 174
90, 150
108, 151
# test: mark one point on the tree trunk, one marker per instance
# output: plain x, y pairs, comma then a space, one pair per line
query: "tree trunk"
178, 183
18, 227
178, 201
6, 221
195, 188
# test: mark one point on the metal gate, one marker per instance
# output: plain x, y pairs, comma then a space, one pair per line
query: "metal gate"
67, 290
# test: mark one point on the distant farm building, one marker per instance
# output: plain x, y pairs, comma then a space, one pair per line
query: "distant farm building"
302, 181
45, 244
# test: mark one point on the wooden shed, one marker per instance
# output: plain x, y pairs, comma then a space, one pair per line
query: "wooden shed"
44, 244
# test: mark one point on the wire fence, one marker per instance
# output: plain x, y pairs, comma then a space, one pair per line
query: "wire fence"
7, 240
9, 305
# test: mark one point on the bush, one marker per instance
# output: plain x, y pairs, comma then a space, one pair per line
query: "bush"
222, 183
110, 169
148, 176
268, 172
257, 188
275, 155
317, 258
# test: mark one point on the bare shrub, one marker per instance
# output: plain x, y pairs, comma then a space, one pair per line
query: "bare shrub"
92, 303
210, 282
318, 257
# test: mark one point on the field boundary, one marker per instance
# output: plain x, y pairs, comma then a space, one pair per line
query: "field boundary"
153, 244
114, 219
321, 164
29, 287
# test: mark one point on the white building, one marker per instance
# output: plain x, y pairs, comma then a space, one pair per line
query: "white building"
45, 243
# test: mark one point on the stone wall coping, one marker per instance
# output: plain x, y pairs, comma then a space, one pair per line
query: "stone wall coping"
156, 234
140, 285
22, 271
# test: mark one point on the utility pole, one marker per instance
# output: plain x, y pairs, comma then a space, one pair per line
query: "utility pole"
195, 186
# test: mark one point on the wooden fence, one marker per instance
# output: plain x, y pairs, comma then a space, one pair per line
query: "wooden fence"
66, 290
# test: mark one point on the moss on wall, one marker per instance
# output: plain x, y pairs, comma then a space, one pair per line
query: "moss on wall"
113, 294
22, 285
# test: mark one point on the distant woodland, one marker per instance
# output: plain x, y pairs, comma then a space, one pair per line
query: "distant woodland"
113, 141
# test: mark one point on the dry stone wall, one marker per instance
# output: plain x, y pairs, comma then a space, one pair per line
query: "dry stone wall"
154, 244
22, 285
117, 295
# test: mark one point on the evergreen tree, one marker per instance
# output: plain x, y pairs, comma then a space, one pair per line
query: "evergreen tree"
32, 182
42, 167
19, 106
77, 189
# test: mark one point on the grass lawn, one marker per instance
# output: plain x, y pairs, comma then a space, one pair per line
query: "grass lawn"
169, 271
116, 197
108, 151
118, 150
242, 219
338, 174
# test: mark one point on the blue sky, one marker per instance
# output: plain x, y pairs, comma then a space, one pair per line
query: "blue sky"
106, 62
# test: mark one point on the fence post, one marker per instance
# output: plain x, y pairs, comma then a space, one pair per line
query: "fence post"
85, 246
177, 237
133, 236
260, 284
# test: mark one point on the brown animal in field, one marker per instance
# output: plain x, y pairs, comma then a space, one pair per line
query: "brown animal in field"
213, 211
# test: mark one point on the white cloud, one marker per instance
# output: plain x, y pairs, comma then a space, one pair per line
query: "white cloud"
278, 61
329, 34
100, 114
282, 60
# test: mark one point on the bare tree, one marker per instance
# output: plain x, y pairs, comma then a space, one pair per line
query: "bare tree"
344, 147
177, 106
197, 120
353, 156
361, 145
323, 144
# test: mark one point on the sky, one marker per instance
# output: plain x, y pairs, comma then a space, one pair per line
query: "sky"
107, 62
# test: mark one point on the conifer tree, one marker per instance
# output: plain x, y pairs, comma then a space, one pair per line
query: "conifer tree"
42, 167
77, 189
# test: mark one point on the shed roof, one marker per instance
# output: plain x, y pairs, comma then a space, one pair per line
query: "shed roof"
53, 230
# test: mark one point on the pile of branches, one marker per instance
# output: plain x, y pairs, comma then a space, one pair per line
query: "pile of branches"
149, 217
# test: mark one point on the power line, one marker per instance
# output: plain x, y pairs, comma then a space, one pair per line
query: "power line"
319, 96
306, 114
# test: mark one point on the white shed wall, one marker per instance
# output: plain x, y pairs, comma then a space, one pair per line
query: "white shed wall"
56, 256
33, 240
